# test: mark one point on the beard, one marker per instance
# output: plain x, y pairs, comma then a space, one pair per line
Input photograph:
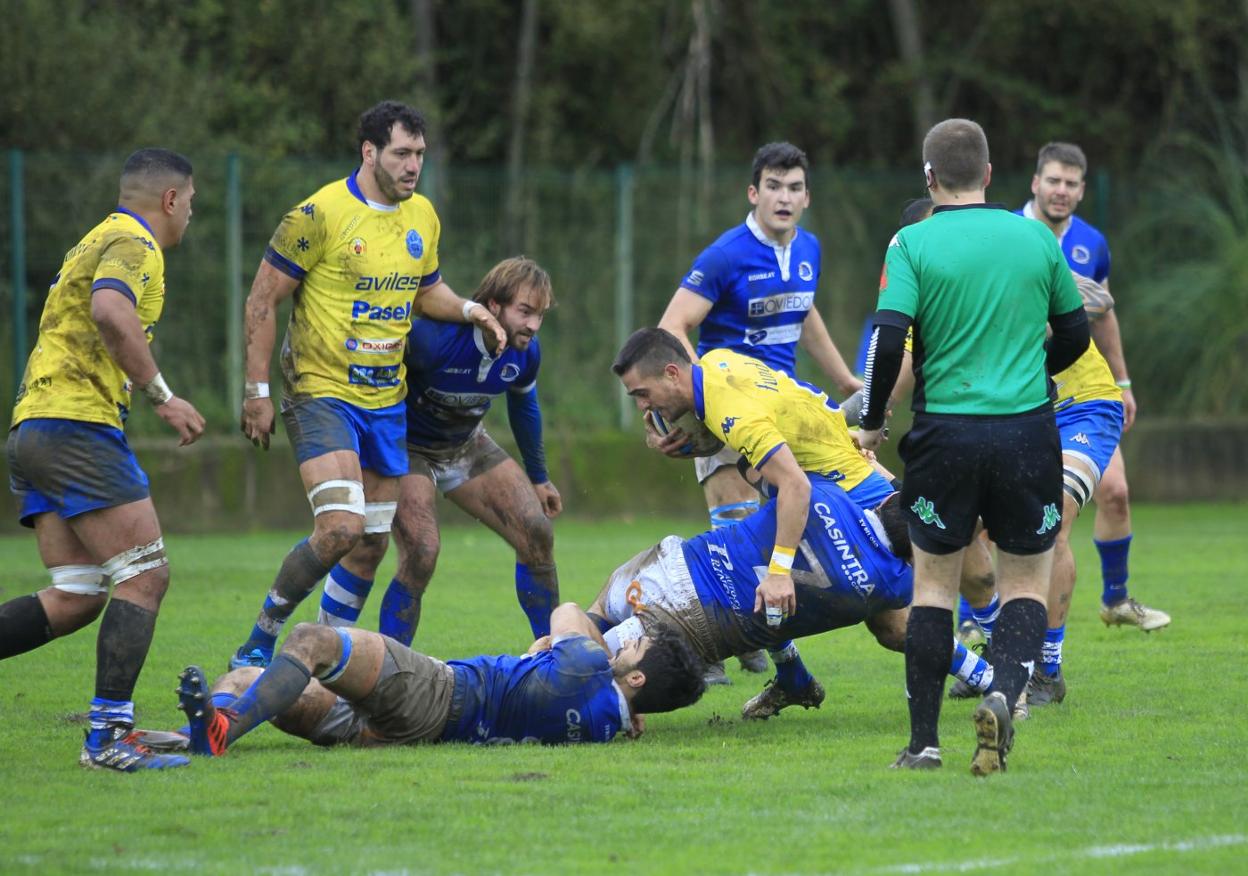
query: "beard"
388, 185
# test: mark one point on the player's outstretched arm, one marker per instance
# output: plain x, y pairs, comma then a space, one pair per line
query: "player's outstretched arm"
685, 313
816, 341
792, 507
126, 342
440, 302
269, 289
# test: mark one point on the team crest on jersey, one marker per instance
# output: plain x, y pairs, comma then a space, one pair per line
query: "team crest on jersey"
358, 246
1081, 254
806, 271
510, 372
415, 245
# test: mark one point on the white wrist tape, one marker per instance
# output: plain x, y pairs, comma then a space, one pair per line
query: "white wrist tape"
255, 389
157, 391
468, 308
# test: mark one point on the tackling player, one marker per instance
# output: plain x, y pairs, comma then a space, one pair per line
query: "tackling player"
850, 568
356, 256
1057, 188
349, 686
454, 372
76, 480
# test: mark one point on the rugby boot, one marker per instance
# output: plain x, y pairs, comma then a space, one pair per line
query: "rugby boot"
1044, 689
1132, 614
754, 661
927, 759
255, 657
994, 735
120, 748
773, 698
162, 740
715, 674
208, 724
960, 690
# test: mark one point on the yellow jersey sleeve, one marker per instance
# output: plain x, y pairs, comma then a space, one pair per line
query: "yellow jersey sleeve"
741, 422
1088, 379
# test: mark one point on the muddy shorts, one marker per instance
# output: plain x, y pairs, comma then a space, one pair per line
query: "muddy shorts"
451, 467
317, 426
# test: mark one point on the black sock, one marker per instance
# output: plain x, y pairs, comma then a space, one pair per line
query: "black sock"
276, 690
23, 626
121, 647
1016, 645
929, 648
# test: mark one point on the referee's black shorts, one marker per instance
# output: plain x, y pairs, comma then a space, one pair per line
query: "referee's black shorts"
1007, 470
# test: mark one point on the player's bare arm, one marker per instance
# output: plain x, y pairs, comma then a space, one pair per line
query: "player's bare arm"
268, 290
439, 301
126, 342
792, 508
569, 620
816, 341
1108, 340
685, 313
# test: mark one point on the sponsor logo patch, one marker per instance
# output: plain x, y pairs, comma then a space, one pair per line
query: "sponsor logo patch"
765, 275
695, 278
380, 376
363, 311
394, 282
785, 302
374, 345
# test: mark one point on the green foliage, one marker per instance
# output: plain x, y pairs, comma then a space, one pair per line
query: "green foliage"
1139, 771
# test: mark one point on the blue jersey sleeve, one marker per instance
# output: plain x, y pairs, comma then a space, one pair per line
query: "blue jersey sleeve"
709, 276
525, 417
577, 661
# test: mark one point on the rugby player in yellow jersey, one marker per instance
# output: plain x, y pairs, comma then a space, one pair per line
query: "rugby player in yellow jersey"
76, 481
360, 257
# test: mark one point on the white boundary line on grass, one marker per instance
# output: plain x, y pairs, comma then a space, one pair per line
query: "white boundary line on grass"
1088, 853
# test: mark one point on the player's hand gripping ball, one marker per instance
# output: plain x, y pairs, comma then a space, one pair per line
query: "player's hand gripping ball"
701, 441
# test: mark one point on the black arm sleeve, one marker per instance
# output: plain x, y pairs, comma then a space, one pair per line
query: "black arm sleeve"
884, 357
1070, 339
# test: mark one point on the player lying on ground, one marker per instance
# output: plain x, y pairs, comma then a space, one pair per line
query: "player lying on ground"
850, 568
336, 685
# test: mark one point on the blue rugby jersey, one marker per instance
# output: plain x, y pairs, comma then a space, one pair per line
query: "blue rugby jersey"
727, 564
1085, 248
564, 695
451, 380
760, 293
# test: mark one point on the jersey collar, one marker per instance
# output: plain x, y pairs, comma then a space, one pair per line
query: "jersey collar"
354, 188
1029, 210
626, 714
699, 400
782, 251
137, 218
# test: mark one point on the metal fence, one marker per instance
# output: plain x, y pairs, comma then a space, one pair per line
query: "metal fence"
616, 243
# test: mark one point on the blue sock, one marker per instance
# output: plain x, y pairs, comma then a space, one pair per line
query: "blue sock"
791, 672
343, 598
261, 639
400, 613
106, 714
1113, 569
220, 700
964, 610
970, 667
538, 601
1051, 653
986, 617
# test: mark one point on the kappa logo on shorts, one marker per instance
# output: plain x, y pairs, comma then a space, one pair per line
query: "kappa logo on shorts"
1052, 517
1082, 439
925, 510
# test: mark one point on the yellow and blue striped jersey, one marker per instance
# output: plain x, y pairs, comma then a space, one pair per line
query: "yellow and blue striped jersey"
70, 374
756, 410
360, 266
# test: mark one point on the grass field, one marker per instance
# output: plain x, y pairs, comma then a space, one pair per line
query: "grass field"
1142, 769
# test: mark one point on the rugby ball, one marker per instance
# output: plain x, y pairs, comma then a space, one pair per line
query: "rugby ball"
701, 441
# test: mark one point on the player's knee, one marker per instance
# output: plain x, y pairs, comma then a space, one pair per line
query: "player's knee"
69, 610
371, 547
311, 643
141, 571
335, 535
538, 544
417, 562
889, 630
1112, 496
236, 681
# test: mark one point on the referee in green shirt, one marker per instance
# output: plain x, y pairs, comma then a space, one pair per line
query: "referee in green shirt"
979, 285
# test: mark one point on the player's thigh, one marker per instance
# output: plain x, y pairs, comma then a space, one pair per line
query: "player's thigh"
725, 486
503, 499
335, 465
109, 532
58, 544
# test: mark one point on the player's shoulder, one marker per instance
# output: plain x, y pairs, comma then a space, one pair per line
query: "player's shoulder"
719, 358
578, 655
806, 238
122, 232
1085, 230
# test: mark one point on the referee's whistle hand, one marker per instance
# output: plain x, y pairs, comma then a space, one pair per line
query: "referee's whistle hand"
870, 439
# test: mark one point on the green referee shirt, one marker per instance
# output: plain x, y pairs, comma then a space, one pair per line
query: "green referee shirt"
980, 284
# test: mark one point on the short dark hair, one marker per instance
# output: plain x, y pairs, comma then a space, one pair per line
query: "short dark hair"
895, 526
511, 275
673, 672
915, 211
1063, 153
154, 163
377, 122
957, 150
650, 350
779, 156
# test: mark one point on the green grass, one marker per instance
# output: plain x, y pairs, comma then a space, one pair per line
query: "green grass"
1140, 770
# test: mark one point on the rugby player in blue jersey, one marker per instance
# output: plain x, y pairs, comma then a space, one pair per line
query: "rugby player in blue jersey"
753, 291
851, 567
360, 259
454, 373
349, 686
1057, 188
